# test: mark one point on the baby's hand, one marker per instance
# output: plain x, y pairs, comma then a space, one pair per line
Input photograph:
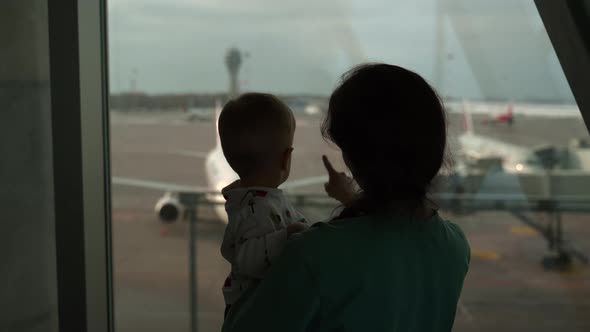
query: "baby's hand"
296, 227
339, 186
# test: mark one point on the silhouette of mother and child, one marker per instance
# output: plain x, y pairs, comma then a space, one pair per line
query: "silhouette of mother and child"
388, 261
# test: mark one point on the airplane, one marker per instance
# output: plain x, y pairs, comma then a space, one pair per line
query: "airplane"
475, 147
519, 181
219, 174
505, 117
502, 188
518, 109
197, 114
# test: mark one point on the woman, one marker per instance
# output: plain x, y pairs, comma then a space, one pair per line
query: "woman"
388, 262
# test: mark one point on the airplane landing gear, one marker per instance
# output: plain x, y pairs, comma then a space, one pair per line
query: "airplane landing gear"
561, 255
559, 261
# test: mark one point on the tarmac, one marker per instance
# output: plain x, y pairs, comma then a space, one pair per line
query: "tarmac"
507, 289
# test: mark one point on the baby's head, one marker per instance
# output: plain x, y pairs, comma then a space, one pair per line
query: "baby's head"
256, 132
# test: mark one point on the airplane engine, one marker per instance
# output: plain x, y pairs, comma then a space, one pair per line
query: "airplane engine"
169, 209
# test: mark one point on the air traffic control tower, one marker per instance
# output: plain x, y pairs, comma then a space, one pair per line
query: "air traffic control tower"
233, 60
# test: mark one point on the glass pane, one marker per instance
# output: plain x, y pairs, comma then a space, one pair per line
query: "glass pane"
492, 63
28, 284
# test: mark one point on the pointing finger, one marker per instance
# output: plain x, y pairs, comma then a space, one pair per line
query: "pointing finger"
329, 167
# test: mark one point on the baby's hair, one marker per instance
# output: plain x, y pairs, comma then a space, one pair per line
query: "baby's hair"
391, 126
254, 130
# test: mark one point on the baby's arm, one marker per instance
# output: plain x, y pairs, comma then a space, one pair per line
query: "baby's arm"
255, 249
255, 254
228, 246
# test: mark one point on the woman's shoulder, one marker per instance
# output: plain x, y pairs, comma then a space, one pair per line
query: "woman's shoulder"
453, 227
324, 234
449, 227
318, 236
311, 236
451, 234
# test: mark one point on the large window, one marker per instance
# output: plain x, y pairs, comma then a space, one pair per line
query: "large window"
518, 187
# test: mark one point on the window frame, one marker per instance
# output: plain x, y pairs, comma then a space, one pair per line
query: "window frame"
79, 107
80, 124
565, 22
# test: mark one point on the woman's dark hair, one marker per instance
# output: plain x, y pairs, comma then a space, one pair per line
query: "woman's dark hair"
391, 127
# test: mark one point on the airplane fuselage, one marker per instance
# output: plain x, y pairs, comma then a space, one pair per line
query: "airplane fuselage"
514, 158
219, 175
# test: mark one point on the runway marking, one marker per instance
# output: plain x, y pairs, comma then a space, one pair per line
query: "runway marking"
486, 255
524, 230
574, 271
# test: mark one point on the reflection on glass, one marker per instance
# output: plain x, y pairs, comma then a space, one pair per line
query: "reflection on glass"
518, 183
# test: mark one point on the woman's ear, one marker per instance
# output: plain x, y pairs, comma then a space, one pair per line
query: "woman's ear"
286, 159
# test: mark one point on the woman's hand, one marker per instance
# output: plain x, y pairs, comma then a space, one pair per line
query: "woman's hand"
339, 186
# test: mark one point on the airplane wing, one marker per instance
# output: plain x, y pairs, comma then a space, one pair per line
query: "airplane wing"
155, 185
163, 186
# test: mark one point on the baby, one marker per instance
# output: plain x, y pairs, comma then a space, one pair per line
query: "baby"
256, 132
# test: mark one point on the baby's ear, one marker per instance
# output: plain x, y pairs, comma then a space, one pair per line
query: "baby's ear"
286, 160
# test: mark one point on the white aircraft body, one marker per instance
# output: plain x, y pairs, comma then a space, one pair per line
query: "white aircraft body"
514, 158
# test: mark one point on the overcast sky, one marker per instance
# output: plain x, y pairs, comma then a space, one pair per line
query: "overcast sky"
493, 49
